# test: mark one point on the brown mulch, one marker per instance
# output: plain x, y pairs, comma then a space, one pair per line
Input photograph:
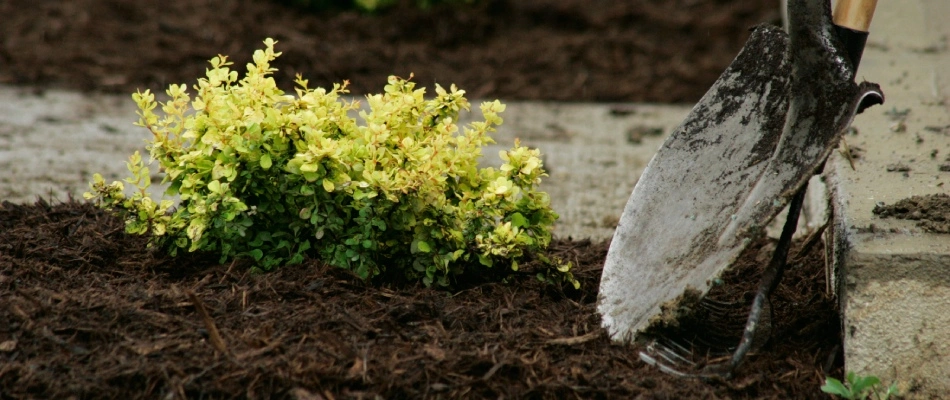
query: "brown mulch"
932, 212
568, 50
90, 312
87, 311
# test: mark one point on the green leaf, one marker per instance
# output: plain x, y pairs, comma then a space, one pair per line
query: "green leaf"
518, 220
417, 266
363, 271
424, 246
257, 254
564, 267
214, 186
835, 387
861, 384
265, 161
892, 390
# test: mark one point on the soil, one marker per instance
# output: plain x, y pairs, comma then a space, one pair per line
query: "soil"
932, 212
568, 50
93, 313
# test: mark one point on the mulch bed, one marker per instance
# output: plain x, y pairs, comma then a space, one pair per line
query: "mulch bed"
89, 312
92, 313
568, 50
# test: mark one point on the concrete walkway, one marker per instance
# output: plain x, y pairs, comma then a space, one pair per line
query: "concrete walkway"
51, 143
895, 286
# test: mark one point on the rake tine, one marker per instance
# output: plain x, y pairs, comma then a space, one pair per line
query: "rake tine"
669, 355
718, 307
721, 311
646, 358
673, 352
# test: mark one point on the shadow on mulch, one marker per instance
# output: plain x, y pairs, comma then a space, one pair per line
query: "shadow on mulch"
90, 312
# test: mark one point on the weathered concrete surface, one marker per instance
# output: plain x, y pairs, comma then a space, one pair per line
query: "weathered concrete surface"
52, 142
894, 283
594, 154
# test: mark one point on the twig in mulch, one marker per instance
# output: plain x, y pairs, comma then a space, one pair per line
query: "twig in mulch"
216, 340
570, 341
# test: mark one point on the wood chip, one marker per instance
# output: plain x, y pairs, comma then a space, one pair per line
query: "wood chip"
213, 332
570, 341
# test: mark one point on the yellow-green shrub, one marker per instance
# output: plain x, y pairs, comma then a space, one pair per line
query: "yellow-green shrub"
273, 177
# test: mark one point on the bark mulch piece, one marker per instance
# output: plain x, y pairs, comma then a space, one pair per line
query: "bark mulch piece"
568, 50
90, 312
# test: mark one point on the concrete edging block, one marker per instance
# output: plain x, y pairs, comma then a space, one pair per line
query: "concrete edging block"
893, 278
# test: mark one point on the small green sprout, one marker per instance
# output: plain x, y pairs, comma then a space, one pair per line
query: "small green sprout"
859, 388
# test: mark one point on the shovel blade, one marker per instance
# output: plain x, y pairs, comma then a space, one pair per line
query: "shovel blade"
668, 237
747, 147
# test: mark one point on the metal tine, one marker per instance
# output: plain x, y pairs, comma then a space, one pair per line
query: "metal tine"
726, 313
712, 304
674, 352
670, 359
706, 355
678, 355
683, 352
722, 310
705, 346
663, 367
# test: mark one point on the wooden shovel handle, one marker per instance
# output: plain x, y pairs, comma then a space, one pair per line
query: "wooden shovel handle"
854, 14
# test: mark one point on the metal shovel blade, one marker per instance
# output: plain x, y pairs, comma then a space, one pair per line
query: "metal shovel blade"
746, 148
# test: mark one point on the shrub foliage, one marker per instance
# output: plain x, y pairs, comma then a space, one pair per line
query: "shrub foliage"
273, 177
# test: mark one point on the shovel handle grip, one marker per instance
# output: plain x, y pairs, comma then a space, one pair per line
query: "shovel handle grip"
854, 14
852, 19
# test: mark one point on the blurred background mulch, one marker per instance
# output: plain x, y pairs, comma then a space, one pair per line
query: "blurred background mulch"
564, 50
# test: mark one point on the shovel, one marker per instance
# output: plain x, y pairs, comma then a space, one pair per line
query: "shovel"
744, 153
